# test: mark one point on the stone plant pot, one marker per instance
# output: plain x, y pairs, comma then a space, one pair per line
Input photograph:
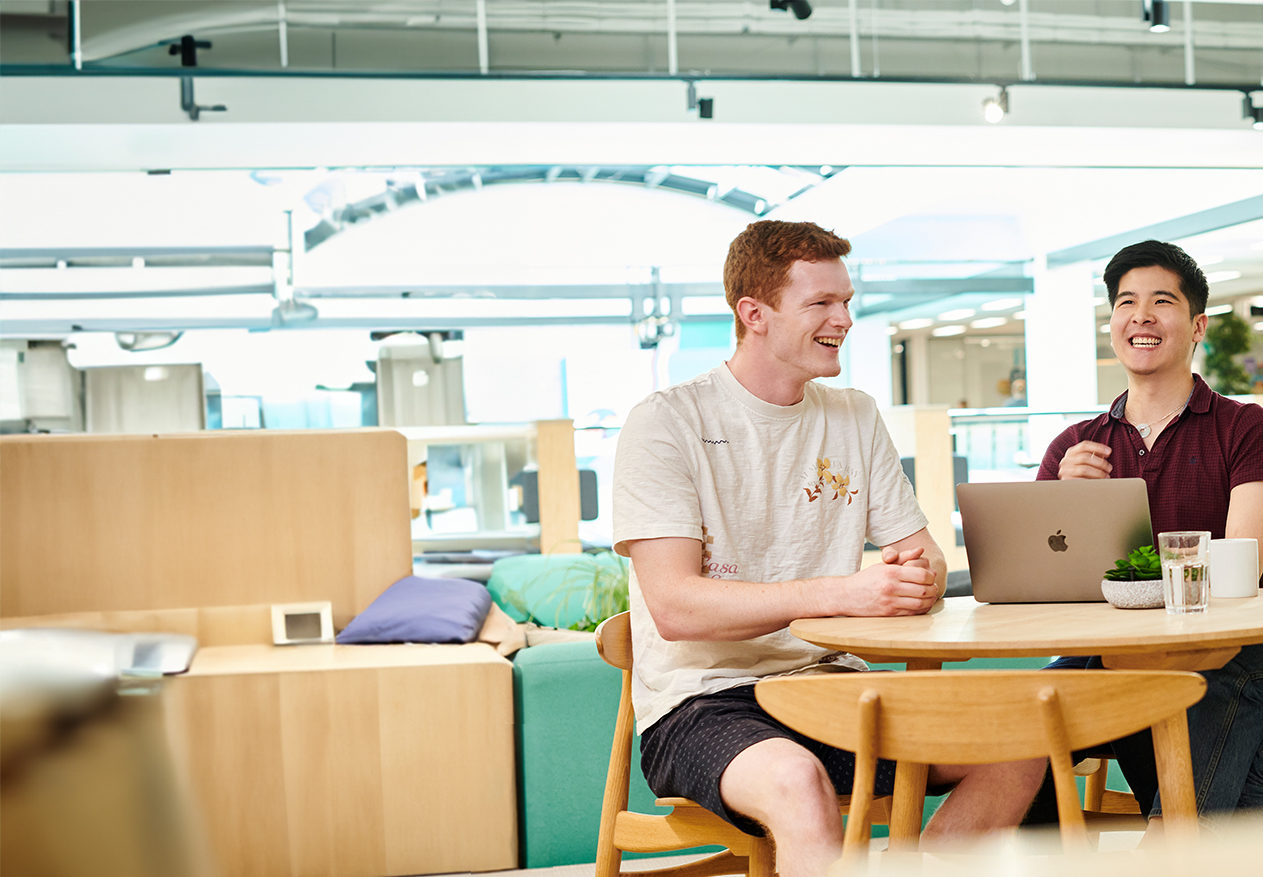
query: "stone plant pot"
1142, 594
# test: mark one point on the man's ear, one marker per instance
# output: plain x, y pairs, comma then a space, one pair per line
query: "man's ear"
751, 313
1199, 327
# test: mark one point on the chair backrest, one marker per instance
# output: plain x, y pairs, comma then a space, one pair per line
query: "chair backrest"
976, 717
613, 640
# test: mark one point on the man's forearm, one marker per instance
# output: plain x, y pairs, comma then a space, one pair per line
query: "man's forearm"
686, 605
702, 609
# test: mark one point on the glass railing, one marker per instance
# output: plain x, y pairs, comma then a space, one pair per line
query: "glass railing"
1007, 444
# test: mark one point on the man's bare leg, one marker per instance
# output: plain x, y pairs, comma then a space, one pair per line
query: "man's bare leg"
783, 786
987, 798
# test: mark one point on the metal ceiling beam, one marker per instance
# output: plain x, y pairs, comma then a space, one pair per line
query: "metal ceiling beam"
71, 252
1247, 210
57, 70
41, 327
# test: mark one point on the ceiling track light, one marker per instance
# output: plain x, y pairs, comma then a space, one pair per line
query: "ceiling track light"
1157, 13
800, 8
994, 108
1255, 114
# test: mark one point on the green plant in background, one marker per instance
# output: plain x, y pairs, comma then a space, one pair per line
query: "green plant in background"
1142, 564
602, 586
599, 580
1227, 337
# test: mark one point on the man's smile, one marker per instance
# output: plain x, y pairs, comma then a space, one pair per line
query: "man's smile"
1145, 341
829, 342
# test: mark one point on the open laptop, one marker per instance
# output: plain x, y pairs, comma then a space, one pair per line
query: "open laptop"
1050, 541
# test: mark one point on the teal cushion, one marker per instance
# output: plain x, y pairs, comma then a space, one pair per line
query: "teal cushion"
567, 700
551, 589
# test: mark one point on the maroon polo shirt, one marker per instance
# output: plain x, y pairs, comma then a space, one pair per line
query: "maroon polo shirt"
1208, 449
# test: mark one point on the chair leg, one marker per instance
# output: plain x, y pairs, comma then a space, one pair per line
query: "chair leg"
908, 807
1094, 786
762, 858
1175, 777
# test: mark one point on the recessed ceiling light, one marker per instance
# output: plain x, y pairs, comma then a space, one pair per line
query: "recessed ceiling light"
1100, 300
958, 314
944, 331
917, 323
1216, 310
891, 330
1219, 276
1018, 315
1001, 304
1105, 328
988, 322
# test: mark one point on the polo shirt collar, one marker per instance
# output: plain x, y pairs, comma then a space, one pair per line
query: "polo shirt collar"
1198, 403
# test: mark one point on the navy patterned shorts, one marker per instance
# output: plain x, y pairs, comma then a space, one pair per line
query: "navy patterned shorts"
684, 753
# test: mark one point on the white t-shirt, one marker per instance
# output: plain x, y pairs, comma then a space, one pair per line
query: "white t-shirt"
775, 493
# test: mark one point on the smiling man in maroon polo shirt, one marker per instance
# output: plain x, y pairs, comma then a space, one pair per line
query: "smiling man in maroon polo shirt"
1201, 455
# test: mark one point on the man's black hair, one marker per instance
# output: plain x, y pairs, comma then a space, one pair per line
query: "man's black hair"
1163, 255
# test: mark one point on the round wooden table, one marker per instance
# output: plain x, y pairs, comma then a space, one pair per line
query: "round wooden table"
960, 628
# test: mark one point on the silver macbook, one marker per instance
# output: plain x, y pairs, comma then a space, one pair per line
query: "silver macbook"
1050, 541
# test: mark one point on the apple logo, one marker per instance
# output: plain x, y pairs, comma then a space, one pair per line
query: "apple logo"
1057, 542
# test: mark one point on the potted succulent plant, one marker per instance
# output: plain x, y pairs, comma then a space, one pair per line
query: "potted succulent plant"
1135, 582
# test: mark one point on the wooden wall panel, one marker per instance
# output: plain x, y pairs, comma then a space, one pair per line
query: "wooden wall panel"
558, 488
228, 729
459, 738
391, 760
105, 523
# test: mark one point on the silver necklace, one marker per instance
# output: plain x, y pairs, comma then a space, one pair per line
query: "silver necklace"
1145, 428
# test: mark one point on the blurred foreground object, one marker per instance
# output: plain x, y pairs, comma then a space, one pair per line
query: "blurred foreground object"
86, 783
1229, 848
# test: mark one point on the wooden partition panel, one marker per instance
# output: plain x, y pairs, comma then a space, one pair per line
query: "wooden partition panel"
92, 523
350, 761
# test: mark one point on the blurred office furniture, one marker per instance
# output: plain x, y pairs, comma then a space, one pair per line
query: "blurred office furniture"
923, 433
144, 398
935, 717
88, 785
478, 471
39, 388
418, 383
338, 760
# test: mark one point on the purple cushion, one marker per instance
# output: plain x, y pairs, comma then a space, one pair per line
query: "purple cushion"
416, 610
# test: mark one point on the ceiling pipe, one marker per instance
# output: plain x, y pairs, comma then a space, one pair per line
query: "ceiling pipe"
1190, 78
76, 35
855, 40
282, 32
484, 65
876, 56
1028, 69
673, 46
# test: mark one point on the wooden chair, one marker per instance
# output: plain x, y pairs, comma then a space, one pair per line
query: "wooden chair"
1106, 809
688, 824
980, 717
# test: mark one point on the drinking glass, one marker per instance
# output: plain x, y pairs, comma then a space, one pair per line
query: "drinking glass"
1185, 568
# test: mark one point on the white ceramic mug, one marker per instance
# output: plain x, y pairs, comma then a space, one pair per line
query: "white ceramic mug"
1234, 567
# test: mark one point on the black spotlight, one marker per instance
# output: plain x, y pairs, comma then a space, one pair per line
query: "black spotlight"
800, 8
1157, 14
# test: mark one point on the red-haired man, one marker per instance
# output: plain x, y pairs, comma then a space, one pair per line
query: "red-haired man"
744, 498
